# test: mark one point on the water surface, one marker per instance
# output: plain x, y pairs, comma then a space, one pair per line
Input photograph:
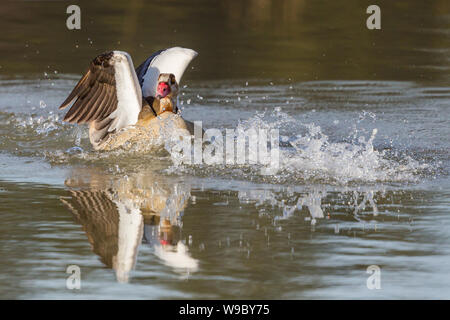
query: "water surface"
364, 143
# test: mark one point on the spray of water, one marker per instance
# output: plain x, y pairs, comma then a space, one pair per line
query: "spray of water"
308, 155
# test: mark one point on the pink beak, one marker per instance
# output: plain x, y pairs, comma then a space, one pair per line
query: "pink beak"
162, 90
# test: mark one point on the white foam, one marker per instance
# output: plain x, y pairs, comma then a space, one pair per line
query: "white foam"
311, 156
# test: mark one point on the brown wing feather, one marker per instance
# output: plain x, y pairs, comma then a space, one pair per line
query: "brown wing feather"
95, 94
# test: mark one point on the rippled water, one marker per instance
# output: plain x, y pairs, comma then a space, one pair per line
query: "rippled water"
363, 179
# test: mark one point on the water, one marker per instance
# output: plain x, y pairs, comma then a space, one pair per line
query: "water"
364, 165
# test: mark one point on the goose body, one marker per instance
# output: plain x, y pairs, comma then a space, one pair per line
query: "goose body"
148, 132
122, 104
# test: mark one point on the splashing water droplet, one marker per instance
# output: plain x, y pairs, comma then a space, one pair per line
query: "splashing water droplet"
74, 150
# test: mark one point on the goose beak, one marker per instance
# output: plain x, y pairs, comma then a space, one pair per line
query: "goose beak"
162, 90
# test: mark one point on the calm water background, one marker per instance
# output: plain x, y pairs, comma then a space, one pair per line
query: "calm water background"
364, 121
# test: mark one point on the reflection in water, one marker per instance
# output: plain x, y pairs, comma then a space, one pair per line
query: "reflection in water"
368, 197
118, 214
314, 200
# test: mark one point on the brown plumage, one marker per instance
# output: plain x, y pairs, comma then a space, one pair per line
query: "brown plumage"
108, 98
94, 95
95, 98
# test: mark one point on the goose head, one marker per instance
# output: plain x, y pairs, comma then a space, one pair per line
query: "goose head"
167, 92
167, 86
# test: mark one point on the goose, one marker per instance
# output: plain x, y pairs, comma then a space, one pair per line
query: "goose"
122, 104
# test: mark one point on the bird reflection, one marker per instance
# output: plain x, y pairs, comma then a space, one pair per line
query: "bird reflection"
120, 213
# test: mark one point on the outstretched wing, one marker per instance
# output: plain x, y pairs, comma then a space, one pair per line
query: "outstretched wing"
108, 96
173, 60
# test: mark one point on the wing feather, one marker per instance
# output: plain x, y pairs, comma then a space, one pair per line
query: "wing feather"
80, 89
108, 104
172, 60
87, 104
99, 101
108, 94
77, 108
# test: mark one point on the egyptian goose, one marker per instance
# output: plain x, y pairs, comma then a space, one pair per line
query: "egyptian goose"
121, 104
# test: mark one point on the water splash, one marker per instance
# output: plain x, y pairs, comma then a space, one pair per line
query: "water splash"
309, 155
284, 204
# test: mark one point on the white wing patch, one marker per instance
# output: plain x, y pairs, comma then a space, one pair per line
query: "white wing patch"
129, 95
173, 60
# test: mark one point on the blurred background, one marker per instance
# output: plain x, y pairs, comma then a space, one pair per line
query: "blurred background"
282, 39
